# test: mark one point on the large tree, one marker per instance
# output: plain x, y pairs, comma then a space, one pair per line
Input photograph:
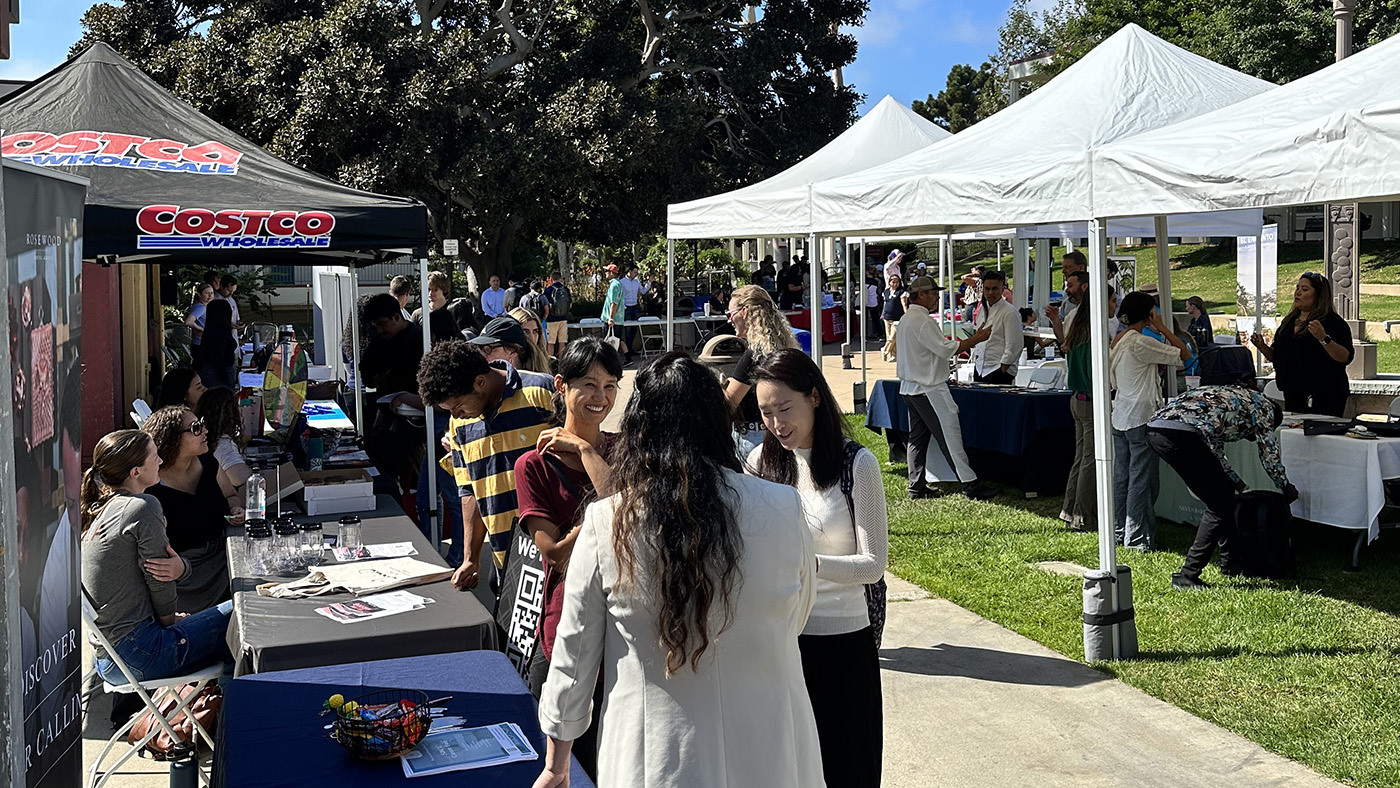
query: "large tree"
959, 104
576, 119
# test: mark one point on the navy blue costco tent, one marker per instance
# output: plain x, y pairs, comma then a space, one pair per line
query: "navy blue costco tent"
170, 185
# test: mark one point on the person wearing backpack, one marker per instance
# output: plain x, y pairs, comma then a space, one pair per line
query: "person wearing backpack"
535, 301
561, 305
843, 498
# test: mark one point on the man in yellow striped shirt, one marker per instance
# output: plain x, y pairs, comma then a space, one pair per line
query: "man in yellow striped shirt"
498, 413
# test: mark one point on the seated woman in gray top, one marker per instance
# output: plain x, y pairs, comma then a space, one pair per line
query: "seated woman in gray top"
130, 570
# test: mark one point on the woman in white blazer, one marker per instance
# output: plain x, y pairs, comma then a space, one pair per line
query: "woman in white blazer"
689, 598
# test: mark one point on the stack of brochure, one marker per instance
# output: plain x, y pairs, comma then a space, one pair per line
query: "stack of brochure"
368, 608
472, 748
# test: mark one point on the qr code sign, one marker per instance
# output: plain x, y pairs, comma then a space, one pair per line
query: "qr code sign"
525, 617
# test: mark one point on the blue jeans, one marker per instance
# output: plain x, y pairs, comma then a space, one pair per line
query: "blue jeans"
1135, 485
450, 515
152, 651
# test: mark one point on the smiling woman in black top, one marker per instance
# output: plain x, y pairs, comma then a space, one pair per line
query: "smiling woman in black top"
1311, 351
195, 501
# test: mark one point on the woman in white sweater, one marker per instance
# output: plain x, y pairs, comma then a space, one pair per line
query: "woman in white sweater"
689, 598
843, 498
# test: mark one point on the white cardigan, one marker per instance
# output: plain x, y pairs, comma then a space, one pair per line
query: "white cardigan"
743, 719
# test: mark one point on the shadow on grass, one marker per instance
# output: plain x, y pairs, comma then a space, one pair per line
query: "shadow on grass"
1232, 652
982, 664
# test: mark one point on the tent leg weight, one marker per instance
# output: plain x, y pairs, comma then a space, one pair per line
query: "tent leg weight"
1109, 629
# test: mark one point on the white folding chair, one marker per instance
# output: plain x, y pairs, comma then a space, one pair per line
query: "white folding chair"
650, 336
151, 692
140, 411
1394, 412
1045, 377
1273, 392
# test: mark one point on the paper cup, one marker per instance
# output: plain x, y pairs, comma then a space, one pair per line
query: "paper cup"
1193, 381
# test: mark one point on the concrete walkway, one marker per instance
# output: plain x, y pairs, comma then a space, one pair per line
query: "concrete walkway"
969, 704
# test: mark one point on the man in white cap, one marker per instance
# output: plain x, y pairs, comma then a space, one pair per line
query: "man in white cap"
922, 364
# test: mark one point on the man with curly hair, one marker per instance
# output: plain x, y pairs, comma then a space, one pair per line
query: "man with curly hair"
498, 413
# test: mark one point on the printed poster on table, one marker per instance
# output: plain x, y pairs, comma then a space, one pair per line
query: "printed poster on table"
1257, 258
43, 238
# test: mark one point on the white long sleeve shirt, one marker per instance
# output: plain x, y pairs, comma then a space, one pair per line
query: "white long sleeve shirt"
632, 289
1006, 342
1133, 365
850, 554
925, 354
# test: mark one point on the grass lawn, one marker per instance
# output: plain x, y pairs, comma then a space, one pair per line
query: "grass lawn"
1308, 669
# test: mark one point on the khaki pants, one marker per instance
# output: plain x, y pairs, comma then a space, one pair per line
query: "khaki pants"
888, 351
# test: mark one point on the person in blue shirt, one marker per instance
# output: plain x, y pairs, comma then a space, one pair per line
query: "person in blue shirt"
493, 299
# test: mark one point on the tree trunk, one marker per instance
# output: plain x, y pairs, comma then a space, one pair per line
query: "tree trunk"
493, 255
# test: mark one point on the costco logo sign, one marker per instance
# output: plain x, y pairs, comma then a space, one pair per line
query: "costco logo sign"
169, 227
124, 151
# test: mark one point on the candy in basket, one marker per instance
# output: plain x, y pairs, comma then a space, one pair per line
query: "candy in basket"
381, 725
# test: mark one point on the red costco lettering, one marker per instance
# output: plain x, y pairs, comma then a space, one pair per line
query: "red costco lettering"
282, 223
194, 221
228, 223
77, 142
214, 152
157, 219
313, 223
161, 150
26, 142
119, 144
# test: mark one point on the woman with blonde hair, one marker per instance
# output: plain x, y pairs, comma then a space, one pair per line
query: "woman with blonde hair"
130, 570
534, 358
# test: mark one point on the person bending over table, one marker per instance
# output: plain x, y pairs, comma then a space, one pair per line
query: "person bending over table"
131, 571
998, 356
498, 413
1311, 350
922, 367
758, 322
688, 599
196, 501
843, 500
1134, 368
223, 428
1190, 434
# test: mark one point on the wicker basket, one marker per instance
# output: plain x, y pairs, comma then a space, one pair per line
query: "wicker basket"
382, 725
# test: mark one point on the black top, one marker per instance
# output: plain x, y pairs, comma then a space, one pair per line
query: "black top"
193, 521
792, 275
1201, 332
1302, 363
391, 365
894, 304
743, 372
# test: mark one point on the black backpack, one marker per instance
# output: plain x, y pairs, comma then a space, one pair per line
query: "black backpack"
534, 302
1263, 542
561, 302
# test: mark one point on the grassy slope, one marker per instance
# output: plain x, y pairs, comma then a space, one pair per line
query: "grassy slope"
1308, 669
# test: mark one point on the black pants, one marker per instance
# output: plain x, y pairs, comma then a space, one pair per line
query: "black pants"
1323, 403
585, 747
927, 426
843, 679
997, 377
1197, 466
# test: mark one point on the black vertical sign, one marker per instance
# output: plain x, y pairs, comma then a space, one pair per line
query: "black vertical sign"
43, 238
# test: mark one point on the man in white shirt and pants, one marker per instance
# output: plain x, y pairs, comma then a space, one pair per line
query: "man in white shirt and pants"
922, 363
999, 356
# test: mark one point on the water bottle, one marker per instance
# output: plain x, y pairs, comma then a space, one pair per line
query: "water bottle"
1049, 352
256, 506
184, 768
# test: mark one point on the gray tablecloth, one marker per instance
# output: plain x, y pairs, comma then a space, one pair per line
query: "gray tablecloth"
283, 634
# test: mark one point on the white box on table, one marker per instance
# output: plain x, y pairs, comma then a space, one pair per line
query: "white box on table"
337, 491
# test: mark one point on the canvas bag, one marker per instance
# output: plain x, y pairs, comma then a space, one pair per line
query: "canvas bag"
876, 594
521, 604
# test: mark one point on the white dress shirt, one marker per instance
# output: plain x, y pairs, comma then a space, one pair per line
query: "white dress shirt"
1132, 370
632, 289
1005, 344
925, 354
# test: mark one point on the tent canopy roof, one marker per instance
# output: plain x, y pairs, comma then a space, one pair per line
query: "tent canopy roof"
1327, 137
1029, 163
169, 184
778, 206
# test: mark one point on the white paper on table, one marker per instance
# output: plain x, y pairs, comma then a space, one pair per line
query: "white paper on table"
472, 748
374, 606
361, 577
391, 550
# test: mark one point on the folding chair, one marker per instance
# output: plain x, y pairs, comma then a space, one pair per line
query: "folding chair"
1046, 377
151, 692
650, 336
1273, 392
140, 411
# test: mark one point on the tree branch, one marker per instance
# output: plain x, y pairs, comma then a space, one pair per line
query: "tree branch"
521, 47
428, 12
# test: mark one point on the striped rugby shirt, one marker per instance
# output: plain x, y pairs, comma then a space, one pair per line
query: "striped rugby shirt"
484, 450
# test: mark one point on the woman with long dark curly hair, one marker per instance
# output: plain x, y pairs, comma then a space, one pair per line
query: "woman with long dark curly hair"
687, 550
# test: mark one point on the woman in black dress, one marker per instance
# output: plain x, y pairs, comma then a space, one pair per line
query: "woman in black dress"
196, 499
1311, 351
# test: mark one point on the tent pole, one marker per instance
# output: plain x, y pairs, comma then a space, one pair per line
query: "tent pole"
848, 297
942, 269
670, 299
864, 390
1259, 299
952, 291
998, 255
355, 351
434, 526
1103, 437
1164, 287
814, 267
1021, 273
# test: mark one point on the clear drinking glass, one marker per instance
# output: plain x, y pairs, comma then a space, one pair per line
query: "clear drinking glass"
313, 544
351, 534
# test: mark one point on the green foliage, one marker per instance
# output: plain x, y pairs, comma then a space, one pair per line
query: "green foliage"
575, 119
959, 104
1026, 33
252, 295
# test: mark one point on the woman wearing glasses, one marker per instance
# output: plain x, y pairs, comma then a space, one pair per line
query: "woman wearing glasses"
1311, 350
196, 499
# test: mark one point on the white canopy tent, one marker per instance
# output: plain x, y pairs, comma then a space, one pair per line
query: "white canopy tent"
1029, 165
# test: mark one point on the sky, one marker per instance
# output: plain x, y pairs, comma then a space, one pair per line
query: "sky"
906, 46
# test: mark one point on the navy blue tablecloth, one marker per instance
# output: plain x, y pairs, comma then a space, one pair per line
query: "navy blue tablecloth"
271, 734
1009, 422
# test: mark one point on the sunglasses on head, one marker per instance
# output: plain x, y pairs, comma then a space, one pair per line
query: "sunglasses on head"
1316, 277
197, 428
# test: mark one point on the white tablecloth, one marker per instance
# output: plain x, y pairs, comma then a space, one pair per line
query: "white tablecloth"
1340, 480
